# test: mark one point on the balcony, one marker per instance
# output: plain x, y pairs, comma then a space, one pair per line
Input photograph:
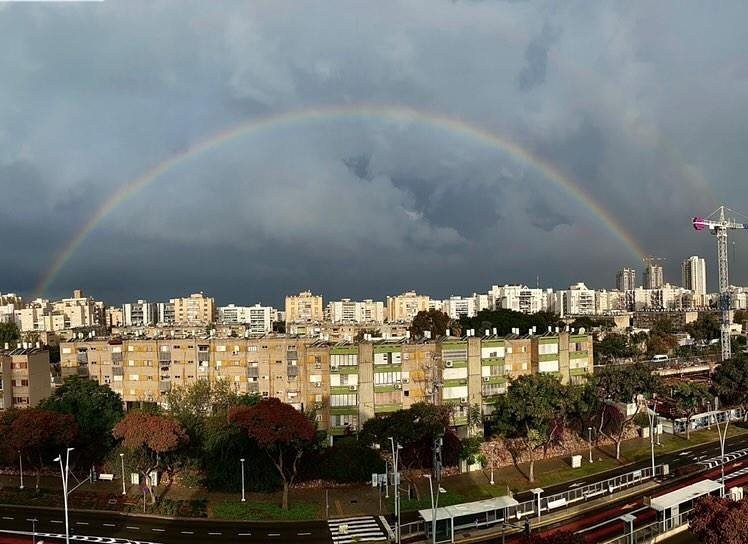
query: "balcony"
253, 372
292, 371
203, 356
164, 356
82, 357
117, 371
164, 387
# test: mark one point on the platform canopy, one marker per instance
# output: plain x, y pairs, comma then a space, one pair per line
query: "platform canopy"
679, 496
468, 508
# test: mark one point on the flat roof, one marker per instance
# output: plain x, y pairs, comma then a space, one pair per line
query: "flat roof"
469, 508
693, 491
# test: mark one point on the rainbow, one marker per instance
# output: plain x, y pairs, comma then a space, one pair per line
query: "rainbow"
401, 114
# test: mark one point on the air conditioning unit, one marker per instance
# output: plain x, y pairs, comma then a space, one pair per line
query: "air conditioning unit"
334, 367
448, 364
398, 386
486, 378
353, 388
463, 400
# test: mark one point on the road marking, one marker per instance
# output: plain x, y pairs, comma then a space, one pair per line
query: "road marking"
214, 534
81, 523
55, 521
274, 534
188, 532
130, 527
158, 530
108, 524
244, 534
303, 534
576, 484
6, 517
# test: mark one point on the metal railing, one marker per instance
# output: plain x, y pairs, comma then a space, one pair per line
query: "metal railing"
647, 533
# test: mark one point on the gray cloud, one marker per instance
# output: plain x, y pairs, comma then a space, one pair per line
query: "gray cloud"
641, 108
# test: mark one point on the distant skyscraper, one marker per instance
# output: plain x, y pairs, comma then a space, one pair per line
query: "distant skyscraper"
653, 276
626, 279
694, 277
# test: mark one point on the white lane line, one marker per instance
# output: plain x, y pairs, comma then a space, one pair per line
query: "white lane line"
303, 534
81, 523
244, 534
274, 534
6, 517
55, 521
187, 532
158, 530
132, 528
214, 534
108, 524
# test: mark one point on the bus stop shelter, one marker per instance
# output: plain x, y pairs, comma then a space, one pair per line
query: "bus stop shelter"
477, 514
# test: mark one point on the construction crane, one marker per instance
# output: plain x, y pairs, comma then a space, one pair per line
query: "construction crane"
719, 224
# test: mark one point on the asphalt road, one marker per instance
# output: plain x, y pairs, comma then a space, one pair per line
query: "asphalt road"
143, 529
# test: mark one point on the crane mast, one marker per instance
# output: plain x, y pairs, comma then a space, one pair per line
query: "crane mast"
719, 225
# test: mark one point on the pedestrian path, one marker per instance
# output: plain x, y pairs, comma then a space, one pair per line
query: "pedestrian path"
356, 529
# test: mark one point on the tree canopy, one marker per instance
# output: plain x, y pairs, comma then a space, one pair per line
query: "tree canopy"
281, 431
96, 409
505, 320
730, 381
434, 321
689, 398
9, 333
720, 520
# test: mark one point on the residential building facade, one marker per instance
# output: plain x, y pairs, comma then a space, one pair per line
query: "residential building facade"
693, 271
25, 377
304, 308
405, 307
626, 279
195, 309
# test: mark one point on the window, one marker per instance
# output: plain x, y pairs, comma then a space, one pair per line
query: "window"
344, 400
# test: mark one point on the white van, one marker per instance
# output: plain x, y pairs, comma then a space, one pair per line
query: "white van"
660, 359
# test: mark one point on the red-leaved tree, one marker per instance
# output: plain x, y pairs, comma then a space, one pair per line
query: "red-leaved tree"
40, 435
150, 436
279, 429
718, 520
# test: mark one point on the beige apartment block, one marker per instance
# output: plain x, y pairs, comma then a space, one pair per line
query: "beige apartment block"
406, 306
25, 377
195, 309
343, 383
304, 308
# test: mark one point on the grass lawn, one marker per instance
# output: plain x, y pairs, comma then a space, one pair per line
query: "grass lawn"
263, 511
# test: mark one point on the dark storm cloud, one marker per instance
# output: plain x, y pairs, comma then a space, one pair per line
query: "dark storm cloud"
642, 107
534, 71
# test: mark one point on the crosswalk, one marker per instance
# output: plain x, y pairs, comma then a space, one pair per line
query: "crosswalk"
717, 461
356, 529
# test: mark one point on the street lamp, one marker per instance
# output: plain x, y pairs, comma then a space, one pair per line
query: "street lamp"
709, 415
434, 504
122, 461
33, 530
589, 441
722, 437
244, 499
652, 415
20, 462
395, 450
64, 471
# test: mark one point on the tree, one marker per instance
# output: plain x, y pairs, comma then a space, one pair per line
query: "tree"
504, 321
719, 520
149, 437
96, 409
9, 333
689, 397
360, 335
730, 381
432, 320
621, 385
705, 328
281, 431
39, 435
614, 346
532, 414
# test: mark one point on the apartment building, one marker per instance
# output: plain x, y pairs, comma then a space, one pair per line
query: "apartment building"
626, 279
693, 272
139, 314
9, 304
259, 319
79, 311
405, 307
521, 298
25, 377
456, 307
343, 383
350, 311
114, 317
304, 308
195, 309
653, 276
166, 313
577, 300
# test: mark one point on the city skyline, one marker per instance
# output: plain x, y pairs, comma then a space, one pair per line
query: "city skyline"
249, 153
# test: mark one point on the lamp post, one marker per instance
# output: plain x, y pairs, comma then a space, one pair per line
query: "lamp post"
122, 461
722, 437
64, 471
33, 530
709, 415
20, 463
589, 441
395, 449
434, 503
244, 499
652, 414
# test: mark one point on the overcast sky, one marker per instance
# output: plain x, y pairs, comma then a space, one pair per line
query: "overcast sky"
644, 105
